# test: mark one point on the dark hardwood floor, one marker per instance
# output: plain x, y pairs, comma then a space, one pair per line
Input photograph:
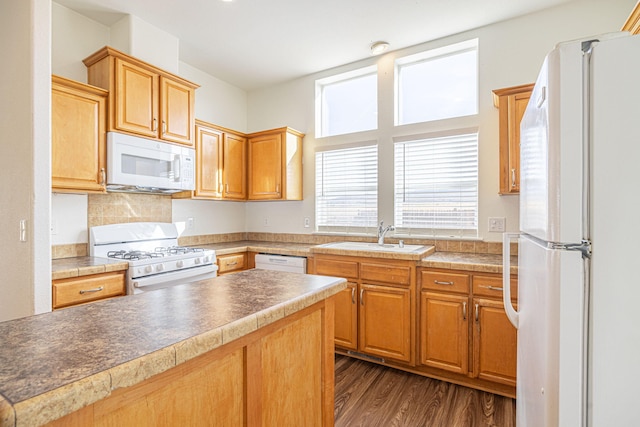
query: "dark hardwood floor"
372, 395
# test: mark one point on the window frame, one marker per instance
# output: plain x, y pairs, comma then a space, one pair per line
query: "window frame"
320, 106
430, 55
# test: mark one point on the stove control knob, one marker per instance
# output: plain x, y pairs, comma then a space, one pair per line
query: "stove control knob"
207, 259
180, 264
148, 269
159, 267
197, 260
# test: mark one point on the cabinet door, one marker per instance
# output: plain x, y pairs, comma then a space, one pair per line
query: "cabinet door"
265, 167
234, 171
385, 321
208, 162
444, 332
177, 106
511, 103
78, 126
494, 343
136, 99
346, 317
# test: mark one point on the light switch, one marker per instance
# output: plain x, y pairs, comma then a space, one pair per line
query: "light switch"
497, 224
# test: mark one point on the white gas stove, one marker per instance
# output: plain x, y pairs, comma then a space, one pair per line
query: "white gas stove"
151, 249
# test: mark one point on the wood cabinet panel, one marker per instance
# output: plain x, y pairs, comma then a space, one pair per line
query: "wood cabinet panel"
393, 274
208, 162
494, 343
136, 99
234, 168
338, 268
144, 100
444, 331
491, 286
511, 103
77, 290
78, 138
346, 330
275, 165
232, 262
177, 111
385, 321
444, 282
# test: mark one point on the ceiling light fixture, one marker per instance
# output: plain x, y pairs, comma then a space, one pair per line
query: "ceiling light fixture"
378, 47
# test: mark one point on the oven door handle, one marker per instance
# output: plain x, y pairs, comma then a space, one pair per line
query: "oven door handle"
174, 278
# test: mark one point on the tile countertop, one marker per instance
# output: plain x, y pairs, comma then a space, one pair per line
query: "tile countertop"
83, 266
55, 363
483, 263
279, 248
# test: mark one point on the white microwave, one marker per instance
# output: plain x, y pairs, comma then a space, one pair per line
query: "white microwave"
141, 165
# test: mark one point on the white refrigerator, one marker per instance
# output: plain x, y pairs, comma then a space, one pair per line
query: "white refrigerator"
578, 312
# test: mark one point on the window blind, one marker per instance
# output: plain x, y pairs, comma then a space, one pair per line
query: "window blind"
436, 186
347, 189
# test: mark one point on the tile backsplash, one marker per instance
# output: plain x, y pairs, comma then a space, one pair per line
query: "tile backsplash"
116, 208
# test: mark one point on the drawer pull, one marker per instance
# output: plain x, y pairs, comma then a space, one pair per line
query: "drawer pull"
89, 291
438, 282
232, 263
492, 288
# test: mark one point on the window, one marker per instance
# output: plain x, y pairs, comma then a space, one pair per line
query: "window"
347, 189
347, 103
438, 84
436, 186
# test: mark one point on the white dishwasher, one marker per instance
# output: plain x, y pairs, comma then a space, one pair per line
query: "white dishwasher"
293, 264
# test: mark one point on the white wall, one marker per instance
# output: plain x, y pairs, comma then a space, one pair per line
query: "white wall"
25, 84
510, 53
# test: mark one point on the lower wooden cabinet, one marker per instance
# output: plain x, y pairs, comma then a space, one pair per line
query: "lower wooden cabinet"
444, 331
464, 328
79, 290
231, 263
375, 315
385, 321
346, 331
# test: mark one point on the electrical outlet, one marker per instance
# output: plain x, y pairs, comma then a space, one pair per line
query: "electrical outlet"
190, 223
497, 224
54, 227
265, 221
307, 222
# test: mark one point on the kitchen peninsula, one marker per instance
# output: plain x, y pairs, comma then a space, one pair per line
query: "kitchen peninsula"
253, 348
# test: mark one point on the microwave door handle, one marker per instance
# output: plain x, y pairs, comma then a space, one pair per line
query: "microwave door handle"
176, 168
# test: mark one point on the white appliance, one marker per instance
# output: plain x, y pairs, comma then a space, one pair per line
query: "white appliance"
578, 295
291, 264
155, 259
142, 165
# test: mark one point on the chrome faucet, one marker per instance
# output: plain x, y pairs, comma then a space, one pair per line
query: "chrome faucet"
382, 230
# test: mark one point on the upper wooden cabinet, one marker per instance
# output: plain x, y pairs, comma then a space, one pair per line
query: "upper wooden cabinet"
221, 164
275, 165
633, 21
511, 103
143, 99
78, 132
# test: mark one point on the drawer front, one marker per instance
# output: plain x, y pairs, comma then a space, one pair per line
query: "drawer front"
227, 263
491, 286
448, 282
89, 288
331, 267
399, 275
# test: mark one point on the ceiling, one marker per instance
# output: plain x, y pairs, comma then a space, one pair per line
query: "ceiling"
256, 43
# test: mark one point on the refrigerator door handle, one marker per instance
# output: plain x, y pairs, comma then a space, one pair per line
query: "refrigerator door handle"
511, 312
